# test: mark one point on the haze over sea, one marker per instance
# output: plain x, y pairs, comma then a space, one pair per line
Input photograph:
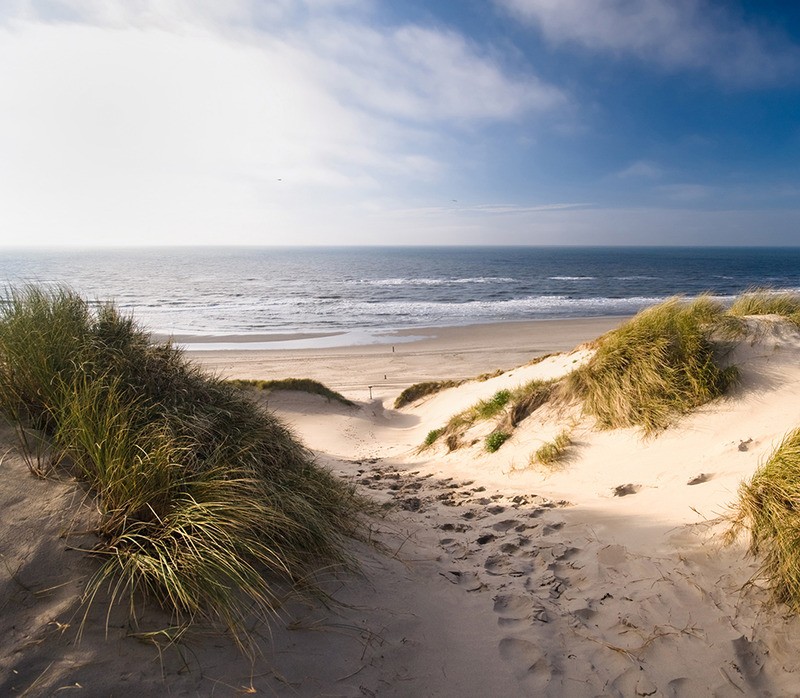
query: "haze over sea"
360, 293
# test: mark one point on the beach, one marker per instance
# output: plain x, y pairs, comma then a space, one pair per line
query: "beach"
483, 574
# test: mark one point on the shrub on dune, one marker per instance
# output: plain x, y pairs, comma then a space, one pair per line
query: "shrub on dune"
660, 365
768, 508
206, 498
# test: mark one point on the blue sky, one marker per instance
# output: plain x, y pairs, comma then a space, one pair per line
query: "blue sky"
128, 122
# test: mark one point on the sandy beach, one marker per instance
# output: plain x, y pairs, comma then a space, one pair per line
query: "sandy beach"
485, 575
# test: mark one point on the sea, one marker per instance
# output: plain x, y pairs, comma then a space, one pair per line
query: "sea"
328, 296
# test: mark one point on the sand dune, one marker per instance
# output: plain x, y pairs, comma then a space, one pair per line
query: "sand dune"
603, 576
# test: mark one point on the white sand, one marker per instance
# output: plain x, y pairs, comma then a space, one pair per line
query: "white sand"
499, 579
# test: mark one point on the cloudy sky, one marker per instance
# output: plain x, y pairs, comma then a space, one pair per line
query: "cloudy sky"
385, 122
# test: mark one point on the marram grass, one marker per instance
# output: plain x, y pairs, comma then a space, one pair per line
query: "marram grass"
208, 502
656, 367
768, 507
764, 302
553, 452
303, 385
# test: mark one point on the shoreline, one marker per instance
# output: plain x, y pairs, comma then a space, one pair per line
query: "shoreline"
366, 337
453, 353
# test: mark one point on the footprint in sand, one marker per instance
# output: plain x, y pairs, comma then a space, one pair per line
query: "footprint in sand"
518, 610
503, 526
455, 527
499, 564
531, 667
469, 581
634, 682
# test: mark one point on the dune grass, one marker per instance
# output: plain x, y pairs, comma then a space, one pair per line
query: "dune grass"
495, 440
420, 390
515, 405
765, 302
552, 452
656, 367
303, 385
767, 508
207, 501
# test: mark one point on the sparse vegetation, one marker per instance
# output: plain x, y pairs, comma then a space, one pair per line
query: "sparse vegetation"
554, 451
486, 409
496, 439
521, 402
654, 368
206, 499
420, 390
305, 385
528, 398
430, 439
764, 302
768, 508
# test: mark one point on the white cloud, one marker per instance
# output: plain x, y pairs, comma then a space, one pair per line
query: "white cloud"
424, 75
641, 169
676, 34
202, 121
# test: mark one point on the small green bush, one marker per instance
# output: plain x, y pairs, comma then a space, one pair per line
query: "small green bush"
432, 436
496, 439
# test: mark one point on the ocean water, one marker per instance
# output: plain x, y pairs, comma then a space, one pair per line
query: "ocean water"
364, 292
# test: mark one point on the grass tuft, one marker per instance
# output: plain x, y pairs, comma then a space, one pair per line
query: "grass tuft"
768, 508
764, 302
654, 368
303, 385
431, 437
496, 439
553, 451
207, 500
420, 390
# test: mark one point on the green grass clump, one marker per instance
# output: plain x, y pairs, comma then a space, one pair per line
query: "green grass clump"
659, 365
207, 500
486, 409
553, 451
431, 437
517, 404
420, 390
768, 507
763, 302
304, 385
496, 439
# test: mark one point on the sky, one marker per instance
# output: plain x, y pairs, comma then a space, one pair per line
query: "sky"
375, 122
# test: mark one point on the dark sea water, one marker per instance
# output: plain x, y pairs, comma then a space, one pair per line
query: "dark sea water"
211, 291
